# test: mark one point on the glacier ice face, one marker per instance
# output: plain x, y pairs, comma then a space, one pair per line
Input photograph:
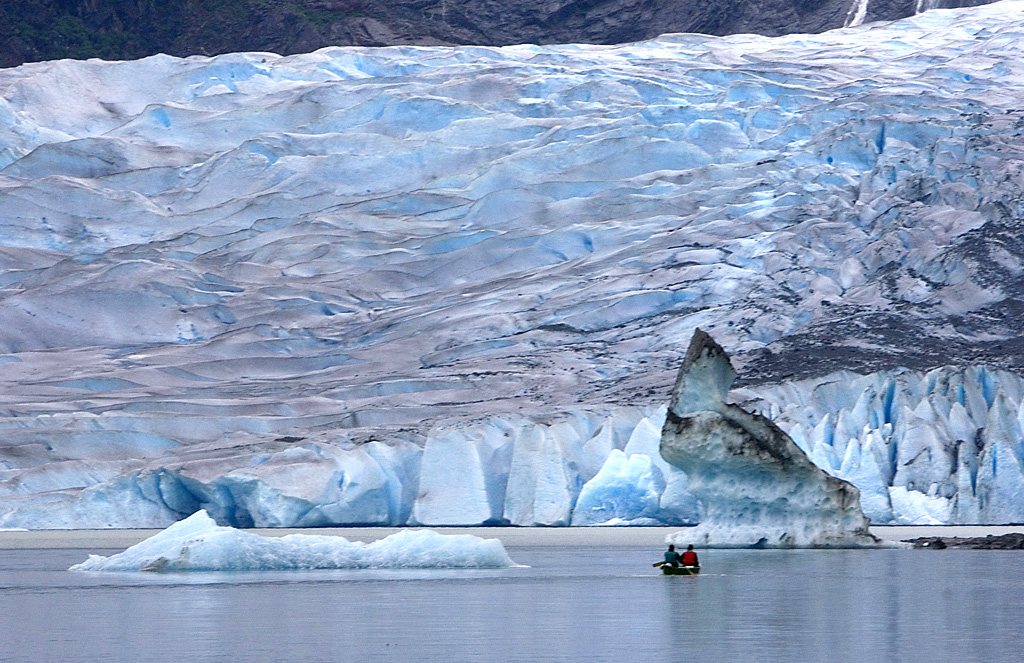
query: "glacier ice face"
498, 471
455, 476
204, 259
757, 488
198, 544
923, 448
600, 467
627, 491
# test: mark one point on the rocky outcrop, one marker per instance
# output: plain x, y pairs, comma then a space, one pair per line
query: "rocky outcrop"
1012, 541
34, 30
756, 486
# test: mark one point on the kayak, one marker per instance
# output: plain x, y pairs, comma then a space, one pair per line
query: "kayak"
680, 571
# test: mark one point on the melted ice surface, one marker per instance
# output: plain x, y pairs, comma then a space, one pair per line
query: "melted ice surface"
206, 259
198, 544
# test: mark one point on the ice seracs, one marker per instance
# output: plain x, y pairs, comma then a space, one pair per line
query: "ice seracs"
936, 447
626, 491
496, 471
199, 544
756, 486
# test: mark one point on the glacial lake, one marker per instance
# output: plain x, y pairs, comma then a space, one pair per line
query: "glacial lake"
585, 604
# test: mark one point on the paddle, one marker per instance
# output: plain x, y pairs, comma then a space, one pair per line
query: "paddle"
656, 564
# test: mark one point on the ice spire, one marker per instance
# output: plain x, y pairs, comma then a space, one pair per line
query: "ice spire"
704, 379
756, 485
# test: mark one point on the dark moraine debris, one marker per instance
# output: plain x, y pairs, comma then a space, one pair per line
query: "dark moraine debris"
1013, 541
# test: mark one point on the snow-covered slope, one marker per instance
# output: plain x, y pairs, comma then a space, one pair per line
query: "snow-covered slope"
393, 254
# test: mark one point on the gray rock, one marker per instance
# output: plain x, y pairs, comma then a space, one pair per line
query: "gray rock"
1012, 541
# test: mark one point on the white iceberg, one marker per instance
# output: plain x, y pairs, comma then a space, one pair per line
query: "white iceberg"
199, 544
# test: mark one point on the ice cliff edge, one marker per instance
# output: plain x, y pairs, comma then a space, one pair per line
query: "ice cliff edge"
757, 487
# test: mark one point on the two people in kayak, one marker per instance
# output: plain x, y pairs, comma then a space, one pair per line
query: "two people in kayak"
675, 560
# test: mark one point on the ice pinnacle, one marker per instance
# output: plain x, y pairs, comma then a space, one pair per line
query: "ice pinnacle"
756, 486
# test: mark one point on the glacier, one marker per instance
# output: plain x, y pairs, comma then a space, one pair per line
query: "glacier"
197, 543
436, 286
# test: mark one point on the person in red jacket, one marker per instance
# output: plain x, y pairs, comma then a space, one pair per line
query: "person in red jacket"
689, 558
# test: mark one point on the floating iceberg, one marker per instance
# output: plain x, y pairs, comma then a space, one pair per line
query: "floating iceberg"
757, 487
198, 544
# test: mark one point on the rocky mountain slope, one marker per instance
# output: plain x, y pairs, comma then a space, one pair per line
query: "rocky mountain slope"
37, 30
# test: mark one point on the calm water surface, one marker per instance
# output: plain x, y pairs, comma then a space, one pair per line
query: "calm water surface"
585, 604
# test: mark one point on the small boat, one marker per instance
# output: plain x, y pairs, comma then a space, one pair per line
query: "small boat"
680, 570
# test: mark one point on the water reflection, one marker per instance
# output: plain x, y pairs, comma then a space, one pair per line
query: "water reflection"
593, 605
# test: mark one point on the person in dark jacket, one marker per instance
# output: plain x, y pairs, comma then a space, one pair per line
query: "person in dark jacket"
672, 557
